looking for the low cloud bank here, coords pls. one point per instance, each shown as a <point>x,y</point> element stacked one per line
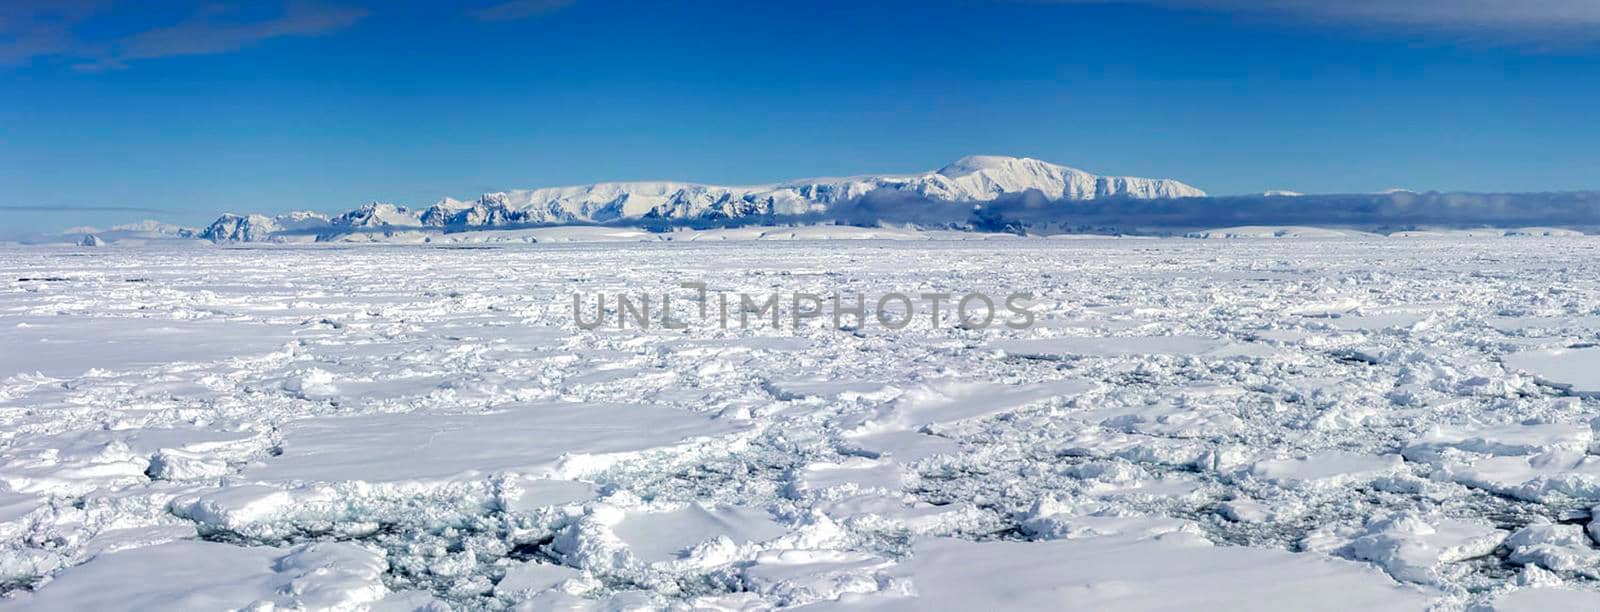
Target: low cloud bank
<point>1032,212</point>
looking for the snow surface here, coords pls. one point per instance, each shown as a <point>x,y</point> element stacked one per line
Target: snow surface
<point>1345,423</point>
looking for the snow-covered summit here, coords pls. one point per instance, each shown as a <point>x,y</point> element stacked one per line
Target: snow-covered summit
<point>985,177</point>
<point>232,227</point>
<point>378,215</point>
<point>984,163</point>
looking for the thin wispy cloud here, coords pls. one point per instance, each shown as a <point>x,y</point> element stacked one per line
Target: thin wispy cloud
<point>520,9</point>
<point>86,208</point>
<point>1520,19</point>
<point>33,29</point>
<point>214,30</point>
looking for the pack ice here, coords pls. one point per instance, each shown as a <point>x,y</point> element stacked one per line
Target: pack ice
<point>1312,420</point>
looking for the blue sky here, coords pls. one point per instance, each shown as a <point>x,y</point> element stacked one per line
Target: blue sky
<point>117,111</point>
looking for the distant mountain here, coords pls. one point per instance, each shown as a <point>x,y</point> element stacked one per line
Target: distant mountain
<point>512,217</point>
<point>970,179</point>
<point>259,228</point>
<point>126,233</point>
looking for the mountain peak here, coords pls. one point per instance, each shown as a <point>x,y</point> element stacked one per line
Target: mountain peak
<point>984,177</point>
<point>979,163</point>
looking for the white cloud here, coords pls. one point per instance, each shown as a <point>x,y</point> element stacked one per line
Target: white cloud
<point>213,31</point>
<point>31,29</point>
<point>1519,17</point>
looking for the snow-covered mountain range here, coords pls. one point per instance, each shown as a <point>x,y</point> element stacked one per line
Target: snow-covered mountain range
<point>970,179</point>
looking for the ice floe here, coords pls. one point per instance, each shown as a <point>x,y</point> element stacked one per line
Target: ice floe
<point>190,575</point>
<point>1176,572</point>
<point>1576,370</point>
<point>556,440</point>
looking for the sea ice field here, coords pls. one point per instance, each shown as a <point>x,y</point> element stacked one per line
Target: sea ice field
<point>1400,423</point>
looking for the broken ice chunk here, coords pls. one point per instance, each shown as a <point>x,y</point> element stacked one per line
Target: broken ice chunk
<point>1575,370</point>
<point>1120,346</point>
<point>1543,599</point>
<point>1501,440</point>
<point>952,402</point>
<point>663,536</point>
<point>531,578</point>
<point>1325,469</point>
<point>1414,548</point>
<point>1563,548</point>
